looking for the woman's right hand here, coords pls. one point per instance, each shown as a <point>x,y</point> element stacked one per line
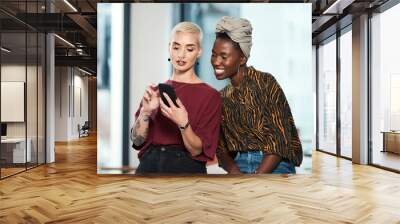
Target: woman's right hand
<point>150,101</point>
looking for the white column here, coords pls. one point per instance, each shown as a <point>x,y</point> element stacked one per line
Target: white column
<point>360,90</point>
<point>50,99</point>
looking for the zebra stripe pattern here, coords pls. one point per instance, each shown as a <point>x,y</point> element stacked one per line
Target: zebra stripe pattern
<point>257,116</point>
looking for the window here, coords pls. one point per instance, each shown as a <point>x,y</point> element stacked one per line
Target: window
<point>327,96</point>
<point>346,94</point>
<point>385,89</point>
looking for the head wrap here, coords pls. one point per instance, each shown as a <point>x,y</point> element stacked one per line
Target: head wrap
<point>239,30</point>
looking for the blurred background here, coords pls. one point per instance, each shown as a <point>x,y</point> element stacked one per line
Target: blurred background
<point>133,51</point>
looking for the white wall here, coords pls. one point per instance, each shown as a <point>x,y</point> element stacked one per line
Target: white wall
<point>33,127</point>
<point>12,73</point>
<point>80,83</point>
<point>61,103</point>
<point>13,100</point>
<point>69,82</point>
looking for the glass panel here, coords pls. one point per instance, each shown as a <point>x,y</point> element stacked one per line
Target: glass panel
<point>346,94</point>
<point>386,89</point>
<point>41,99</point>
<point>32,84</point>
<point>13,87</point>
<point>31,99</point>
<point>327,96</point>
<point>22,63</point>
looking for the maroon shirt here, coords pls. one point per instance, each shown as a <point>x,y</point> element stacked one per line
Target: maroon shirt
<point>203,104</point>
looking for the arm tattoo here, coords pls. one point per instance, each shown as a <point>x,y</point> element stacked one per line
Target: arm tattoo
<point>138,139</point>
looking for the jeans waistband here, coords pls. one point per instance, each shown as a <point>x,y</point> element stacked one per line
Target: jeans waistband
<point>261,153</point>
<point>169,147</point>
<point>246,152</point>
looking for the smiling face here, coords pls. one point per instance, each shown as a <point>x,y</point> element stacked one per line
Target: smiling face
<point>184,49</point>
<point>226,58</point>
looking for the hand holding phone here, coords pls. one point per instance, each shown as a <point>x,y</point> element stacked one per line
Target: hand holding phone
<point>178,113</point>
<point>170,91</point>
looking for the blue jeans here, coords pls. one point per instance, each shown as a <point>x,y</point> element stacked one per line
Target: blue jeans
<point>248,162</point>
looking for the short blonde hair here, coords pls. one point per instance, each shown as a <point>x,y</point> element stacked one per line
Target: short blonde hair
<point>188,27</point>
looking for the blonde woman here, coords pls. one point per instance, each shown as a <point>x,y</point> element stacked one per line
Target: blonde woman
<point>179,138</point>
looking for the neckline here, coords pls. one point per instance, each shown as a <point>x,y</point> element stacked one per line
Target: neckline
<point>244,80</point>
<point>187,83</point>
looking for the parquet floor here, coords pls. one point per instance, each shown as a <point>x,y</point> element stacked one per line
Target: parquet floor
<point>70,191</point>
<point>9,171</point>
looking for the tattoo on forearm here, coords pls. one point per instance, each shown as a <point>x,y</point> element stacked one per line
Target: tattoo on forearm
<point>139,139</point>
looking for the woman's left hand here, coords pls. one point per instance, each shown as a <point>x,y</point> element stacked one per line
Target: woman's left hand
<point>178,115</point>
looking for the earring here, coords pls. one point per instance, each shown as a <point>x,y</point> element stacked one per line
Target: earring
<point>197,63</point>
<point>169,59</point>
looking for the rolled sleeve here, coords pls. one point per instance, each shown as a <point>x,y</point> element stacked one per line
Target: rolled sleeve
<point>208,128</point>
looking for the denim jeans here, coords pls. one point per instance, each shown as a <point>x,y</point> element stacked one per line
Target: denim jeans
<point>167,159</point>
<point>248,162</point>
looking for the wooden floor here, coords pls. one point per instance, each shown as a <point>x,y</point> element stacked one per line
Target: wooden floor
<point>10,171</point>
<point>70,191</point>
<point>387,159</point>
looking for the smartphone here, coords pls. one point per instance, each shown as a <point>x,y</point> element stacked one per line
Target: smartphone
<point>170,91</point>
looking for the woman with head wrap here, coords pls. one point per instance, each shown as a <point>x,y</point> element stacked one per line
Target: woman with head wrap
<point>258,133</point>
<point>182,137</point>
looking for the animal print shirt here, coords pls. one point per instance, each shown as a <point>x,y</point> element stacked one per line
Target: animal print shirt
<point>257,116</point>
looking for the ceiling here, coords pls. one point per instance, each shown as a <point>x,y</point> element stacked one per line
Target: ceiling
<point>76,22</point>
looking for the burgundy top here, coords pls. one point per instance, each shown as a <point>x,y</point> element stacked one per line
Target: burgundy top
<point>203,104</point>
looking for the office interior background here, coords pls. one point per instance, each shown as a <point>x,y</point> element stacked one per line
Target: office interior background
<point>49,79</point>
<point>48,82</point>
